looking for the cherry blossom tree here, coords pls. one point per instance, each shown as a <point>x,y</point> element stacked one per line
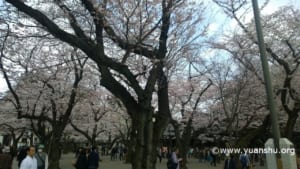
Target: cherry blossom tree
<point>114,35</point>
<point>188,118</point>
<point>187,87</point>
<point>42,91</point>
<point>281,34</point>
<point>10,125</point>
<point>239,100</point>
<point>90,116</point>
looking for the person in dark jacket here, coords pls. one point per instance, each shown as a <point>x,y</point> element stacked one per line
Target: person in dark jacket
<point>81,162</point>
<point>213,158</point>
<point>22,155</point>
<point>93,159</point>
<point>230,162</point>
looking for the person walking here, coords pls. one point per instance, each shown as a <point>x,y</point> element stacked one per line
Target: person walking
<point>174,161</point>
<point>42,158</point>
<point>93,159</point>
<point>230,162</point>
<point>159,154</point>
<point>190,152</point>
<point>114,153</point>
<point>77,152</point>
<point>30,161</point>
<point>245,161</point>
<point>213,158</point>
<point>81,162</point>
<point>121,153</point>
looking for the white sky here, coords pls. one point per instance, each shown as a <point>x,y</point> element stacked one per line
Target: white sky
<point>218,22</point>
<point>3,86</point>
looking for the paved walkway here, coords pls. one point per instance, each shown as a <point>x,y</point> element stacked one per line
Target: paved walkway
<point>66,163</point>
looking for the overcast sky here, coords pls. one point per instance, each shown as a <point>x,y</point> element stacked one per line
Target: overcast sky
<point>222,23</point>
<point>218,21</point>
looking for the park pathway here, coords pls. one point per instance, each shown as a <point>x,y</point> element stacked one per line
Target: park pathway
<point>106,163</point>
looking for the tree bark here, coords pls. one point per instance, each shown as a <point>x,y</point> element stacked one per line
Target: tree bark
<point>289,128</point>
<point>183,142</point>
<point>183,150</point>
<point>129,154</point>
<point>140,137</point>
<point>144,141</point>
<point>54,151</point>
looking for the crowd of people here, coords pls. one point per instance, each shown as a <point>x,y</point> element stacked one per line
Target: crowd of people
<point>229,161</point>
<point>87,158</point>
<point>27,157</point>
<point>118,152</point>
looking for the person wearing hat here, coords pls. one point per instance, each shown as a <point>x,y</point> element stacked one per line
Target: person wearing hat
<point>41,158</point>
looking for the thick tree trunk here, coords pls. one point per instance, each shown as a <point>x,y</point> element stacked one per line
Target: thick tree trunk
<point>140,159</point>
<point>54,152</point>
<point>144,142</point>
<point>183,150</point>
<point>183,143</point>
<point>14,148</point>
<point>137,143</point>
<point>150,147</point>
<point>129,154</point>
<point>131,148</point>
<point>93,141</point>
<point>289,128</point>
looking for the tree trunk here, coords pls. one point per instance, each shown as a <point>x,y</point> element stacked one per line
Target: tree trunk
<point>54,151</point>
<point>139,157</point>
<point>14,147</point>
<point>144,141</point>
<point>183,150</point>
<point>129,154</point>
<point>289,128</point>
<point>93,141</point>
<point>183,143</point>
<point>131,143</point>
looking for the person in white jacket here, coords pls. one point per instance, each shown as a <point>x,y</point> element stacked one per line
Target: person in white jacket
<point>30,161</point>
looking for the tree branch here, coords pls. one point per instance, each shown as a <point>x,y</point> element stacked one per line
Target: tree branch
<point>51,26</point>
